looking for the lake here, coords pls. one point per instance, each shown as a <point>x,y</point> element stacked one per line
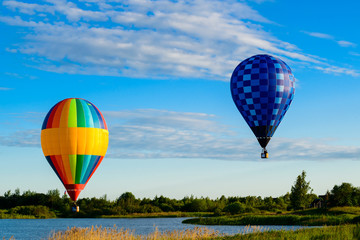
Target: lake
<point>22,229</point>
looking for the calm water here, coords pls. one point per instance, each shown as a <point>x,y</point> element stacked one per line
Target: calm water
<point>42,228</point>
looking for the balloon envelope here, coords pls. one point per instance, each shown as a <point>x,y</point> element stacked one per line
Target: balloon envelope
<point>74,140</point>
<point>262,88</point>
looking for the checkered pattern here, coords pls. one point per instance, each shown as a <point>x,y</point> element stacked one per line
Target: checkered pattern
<point>262,88</point>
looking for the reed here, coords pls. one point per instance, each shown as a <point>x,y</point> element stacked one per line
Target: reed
<point>249,233</point>
<point>97,233</point>
<point>340,232</point>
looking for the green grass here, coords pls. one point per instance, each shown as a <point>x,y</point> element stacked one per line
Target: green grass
<point>27,212</point>
<point>343,232</point>
<point>273,220</point>
<point>4,214</point>
<point>342,210</point>
<point>312,217</point>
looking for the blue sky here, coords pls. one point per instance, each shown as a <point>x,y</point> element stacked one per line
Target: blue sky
<point>159,71</point>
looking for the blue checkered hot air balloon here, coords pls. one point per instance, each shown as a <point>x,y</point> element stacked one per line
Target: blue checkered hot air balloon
<point>262,88</point>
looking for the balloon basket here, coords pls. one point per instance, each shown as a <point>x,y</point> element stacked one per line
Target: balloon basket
<point>264,154</point>
<point>75,208</point>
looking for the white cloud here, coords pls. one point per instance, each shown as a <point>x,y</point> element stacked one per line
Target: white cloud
<point>24,138</point>
<point>11,50</point>
<point>341,43</point>
<point>338,70</point>
<point>26,8</point>
<point>354,54</point>
<point>261,1</point>
<point>151,133</point>
<point>346,44</point>
<point>5,89</point>
<point>68,9</point>
<point>319,35</point>
<point>311,149</point>
<point>20,76</point>
<point>153,39</point>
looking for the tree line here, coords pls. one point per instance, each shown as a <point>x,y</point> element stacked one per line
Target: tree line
<point>53,204</point>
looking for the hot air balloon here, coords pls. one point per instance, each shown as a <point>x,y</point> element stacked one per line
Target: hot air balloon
<point>74,139</point>
<point>262,88</point>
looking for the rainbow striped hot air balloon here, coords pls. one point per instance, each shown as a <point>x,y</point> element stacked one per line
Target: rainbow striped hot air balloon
<point>74,139</point>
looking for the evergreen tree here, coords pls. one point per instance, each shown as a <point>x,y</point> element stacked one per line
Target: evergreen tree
<point>299,196</point>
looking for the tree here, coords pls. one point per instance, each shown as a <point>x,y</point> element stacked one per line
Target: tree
<point>197,205</point>
<point>269,204</point>
<point>128,202</point>
<point>299,196</point>
<point>54,200</point>
<point>343,195</point>
<point>126,199</point>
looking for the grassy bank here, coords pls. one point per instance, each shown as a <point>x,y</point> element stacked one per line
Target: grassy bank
<point>327,232</point>
<point>96,233</point>
<point>4,214</point>
<point>272,220</point>
<point>313,217</point>
<point>27,212</point>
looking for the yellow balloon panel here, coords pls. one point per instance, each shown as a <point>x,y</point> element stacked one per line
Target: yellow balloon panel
<point>74,140</point>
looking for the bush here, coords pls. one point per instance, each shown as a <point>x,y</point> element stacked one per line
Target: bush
<point>217,211</point>
<point>148,208</point>
<point>166,207</point>
<point>356,220</point>
<point>37,211</point>
<point>235,208</point>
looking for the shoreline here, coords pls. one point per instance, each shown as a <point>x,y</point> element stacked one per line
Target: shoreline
<point>311,217</point>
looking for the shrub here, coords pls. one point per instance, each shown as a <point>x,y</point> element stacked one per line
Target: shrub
<point>37,211</point>
<point>235,208</point>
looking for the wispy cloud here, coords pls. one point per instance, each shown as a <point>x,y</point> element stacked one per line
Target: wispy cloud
<point>68,9</point>
<point>21,138</point>
<point>261,1</point>
<point>153,39</point>
<point>151,133</point>
<point>338,70</point>
<point>346,44</point>
<point>319,35</point>
<point>20,76</point>
<point>163,134</point>
<point>341,43</point>
<point>355,54</point>
<point>5,89</point>
<point>311,149</point>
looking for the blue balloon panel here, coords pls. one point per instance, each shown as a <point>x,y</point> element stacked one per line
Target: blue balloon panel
<point>262,88</point>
